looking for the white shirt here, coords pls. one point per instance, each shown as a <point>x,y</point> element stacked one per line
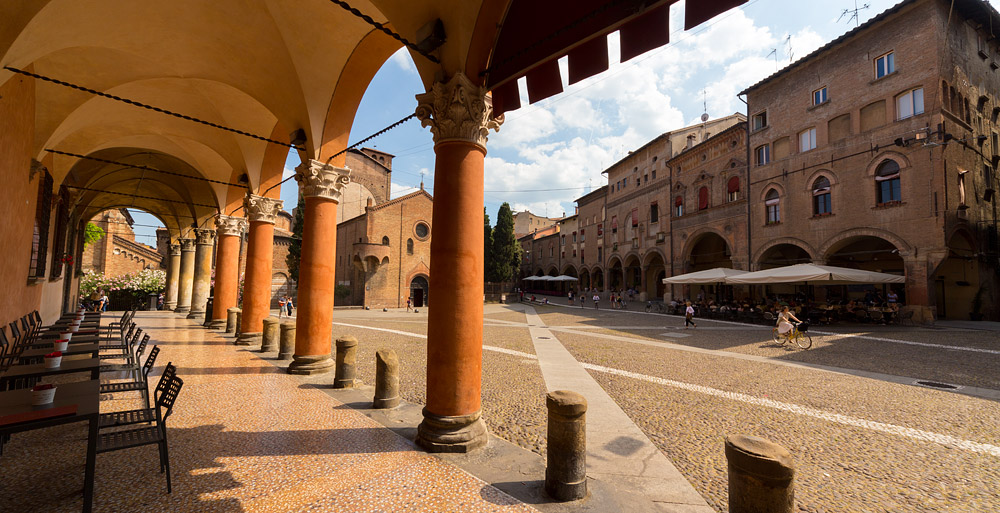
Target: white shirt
<point>689,310</point>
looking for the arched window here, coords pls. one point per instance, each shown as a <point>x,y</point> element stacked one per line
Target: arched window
<point>703,198</point>
<point>385,240</point>
<point>733,189</point>
<point>409,246</point>
<point>821,197</point>
<point>887,187</point>
<point>772,204</point>
<point>679,206</point>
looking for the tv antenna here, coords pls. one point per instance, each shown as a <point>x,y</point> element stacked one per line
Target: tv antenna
<point>788,46</point>
<point>774,52</point>
<point>853,13</point>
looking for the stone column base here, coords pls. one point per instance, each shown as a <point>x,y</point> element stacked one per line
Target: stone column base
<point>195,314</point>
<point>311,364</point>
<point>249,339</point>
<point>462,433</point>
<point>217,324</point>
<point>169,306</point>
<point>182,310</point>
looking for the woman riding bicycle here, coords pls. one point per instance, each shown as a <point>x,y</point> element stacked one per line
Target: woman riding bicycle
<point>785,319</point>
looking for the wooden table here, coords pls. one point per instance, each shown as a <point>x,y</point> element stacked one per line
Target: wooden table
<point>84,395</point>
<point>38,370</point>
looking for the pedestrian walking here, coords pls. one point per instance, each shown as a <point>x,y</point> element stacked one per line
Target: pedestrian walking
<point>597,300</point>
<point>408,302</point>
<point>689,316</point>
<point>289,305</point>
<point>281,307</point>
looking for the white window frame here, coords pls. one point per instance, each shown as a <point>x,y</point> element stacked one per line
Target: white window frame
<point>766,154</point>
<point>910,103</point>
<point>807,139</point>
<point>821,95</point>
<point>762,115</point>
<point>889,64</point>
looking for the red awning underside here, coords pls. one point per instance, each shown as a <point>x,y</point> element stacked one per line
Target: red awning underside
<point>535,34</point>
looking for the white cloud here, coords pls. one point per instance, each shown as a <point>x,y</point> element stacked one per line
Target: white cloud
<point>402,59</point>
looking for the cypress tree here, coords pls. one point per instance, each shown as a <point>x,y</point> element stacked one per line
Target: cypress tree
<point>487,247</point>
<point>294,256</point>
<point>506,252</point>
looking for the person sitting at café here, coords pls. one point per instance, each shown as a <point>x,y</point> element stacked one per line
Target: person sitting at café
<point>892,298</point>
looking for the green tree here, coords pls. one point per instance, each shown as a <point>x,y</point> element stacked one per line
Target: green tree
<point>91,234</point>
<point>487,247</point>
<point>506,254</point>
<point>294,256</point>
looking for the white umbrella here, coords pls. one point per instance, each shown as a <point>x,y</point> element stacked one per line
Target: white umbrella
<point>531,278</point>
<point>821,274</point>
<point>544,278</point>
<point>563,277</point>
<point>717,275</point>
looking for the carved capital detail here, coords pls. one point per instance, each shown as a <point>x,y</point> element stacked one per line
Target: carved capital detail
<point>187,245</point>
<point>175,250</point>
<point>204,237</point>
<point>230,225</point>
<point>458,110</point>
<point>260,208</point>
<point>319,180</point>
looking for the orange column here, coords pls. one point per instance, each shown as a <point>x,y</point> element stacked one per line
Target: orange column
<point>227,267</point>
<point>460,115</point>
<point>320,184</point>
<point>261,212</point>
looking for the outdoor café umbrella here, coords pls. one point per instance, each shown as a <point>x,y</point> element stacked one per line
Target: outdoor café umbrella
<point>563,277</point>
<point>717,275</point>
<point>816,274</point>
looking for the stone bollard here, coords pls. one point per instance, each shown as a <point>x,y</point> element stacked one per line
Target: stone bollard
<point>347,358</point>
<point>231,315</point>
<point>287,348</point>
<point>239,324</point>
<point>208,312</point>
<point>761,476</point>
<point>270,337</point>
<point>566,467</point>
<point>386,379</point>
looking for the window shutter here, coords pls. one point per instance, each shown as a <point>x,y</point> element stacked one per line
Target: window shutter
<point>733,185</point>
<point>703,198</point>
<point>678,201</point>
<point>635,217</point>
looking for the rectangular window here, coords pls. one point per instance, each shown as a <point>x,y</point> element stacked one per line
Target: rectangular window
<point>821,204</point>
<point>773,213</point>
<point>910,103</point>
<point>645,178</point>
<point>635,217</point>
<point>679,210</point>
<point>583,235</point>
<point>885,65</point>
<point>654,213</point>
<point>614,224</point>
<point>40,235</point>
<point>600,254</point>
<point>574,237</point>
<point>763,154</point>
<point>600,230</point>
<point>760,120</point>
<point>654,174</point>
<point>582,257</point>
<point>819,96</point>
<point>562,240</point>
<point>807,140</point>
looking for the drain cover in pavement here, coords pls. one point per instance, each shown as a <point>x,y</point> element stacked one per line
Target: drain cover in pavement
<point>935,384</point>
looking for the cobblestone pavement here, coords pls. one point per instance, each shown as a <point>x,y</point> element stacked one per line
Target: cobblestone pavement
<point>860,444</point>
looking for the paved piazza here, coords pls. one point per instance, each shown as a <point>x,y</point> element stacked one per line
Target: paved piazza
<point>863,436</point>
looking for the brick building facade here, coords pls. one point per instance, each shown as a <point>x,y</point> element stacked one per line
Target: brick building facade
<point>118,253</point>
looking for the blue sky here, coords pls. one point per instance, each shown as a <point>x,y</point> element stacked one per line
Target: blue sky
<point>548,154</point>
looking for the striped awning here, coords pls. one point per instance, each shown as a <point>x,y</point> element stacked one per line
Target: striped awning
<point>534,35</point>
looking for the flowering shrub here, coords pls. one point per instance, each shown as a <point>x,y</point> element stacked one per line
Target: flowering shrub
<point>147,281</point>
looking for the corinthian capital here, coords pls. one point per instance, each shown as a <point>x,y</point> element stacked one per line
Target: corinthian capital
<point>187,245</point>
<point>175,250</point>
<point>260,208</point>
<point>204,237</point>
<point>320,180</point>
<point>230,225</point>
<point>457,110</point>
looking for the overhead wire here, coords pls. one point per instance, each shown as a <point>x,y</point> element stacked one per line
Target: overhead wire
<point>142,167</point>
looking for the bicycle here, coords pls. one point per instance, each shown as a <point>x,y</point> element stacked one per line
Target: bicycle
<point>798,334</point>
<point>660,307</point>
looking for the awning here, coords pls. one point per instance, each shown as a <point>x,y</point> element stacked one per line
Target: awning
<point>534,35</point>
<point>819,274</point>
<point>717,275</point>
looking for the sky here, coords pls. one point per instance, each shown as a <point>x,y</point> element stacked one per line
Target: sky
<point>547,154</point>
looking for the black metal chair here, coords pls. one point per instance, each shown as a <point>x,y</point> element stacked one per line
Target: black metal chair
<point>141,415</point>
<point>138,385</point>
<point>125,319</point>
<point>132,363</point>
<point>154,433</point>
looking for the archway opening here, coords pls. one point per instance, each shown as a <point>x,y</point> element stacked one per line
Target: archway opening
<point>655,271</point>
<point>956,281</point>
<point>419,291</point>
<point>709,251</point>
<point>616,274</point>
<point>870,254</point>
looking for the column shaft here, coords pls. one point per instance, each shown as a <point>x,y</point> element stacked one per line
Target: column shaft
<point>257,281</point>
<point>227,268</point>
<point>173,276</point>
<point>186,279</point>
<point>202,283</point>
<point>315,287</point>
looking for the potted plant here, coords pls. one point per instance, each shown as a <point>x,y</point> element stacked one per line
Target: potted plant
<point>977,305</point>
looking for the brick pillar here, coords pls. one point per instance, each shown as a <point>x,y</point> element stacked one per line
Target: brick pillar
<point>261,212</point>
<point>459,114</point>
<point>173,276</point>
<point>320,184</point>
<point>227,267</point>
<point>202,282</point>
<point>186,277</point>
